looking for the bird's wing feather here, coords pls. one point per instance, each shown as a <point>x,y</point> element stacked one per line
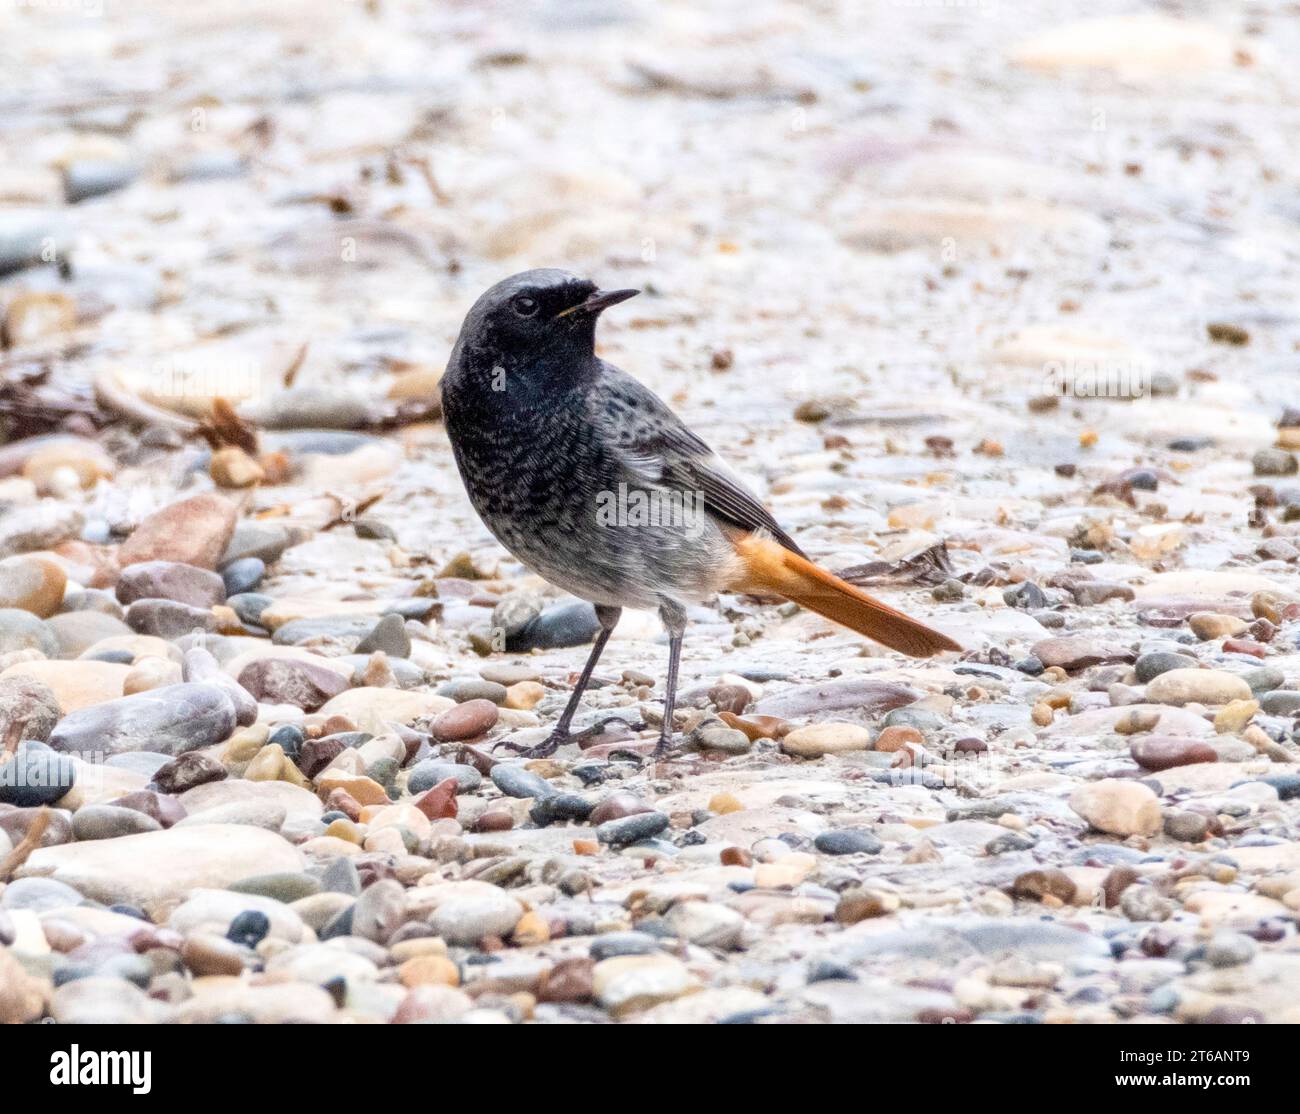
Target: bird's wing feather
<point>657,446</point>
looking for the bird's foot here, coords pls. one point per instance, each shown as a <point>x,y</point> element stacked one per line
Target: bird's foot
<point>544,749</point>
<point>664,748</point>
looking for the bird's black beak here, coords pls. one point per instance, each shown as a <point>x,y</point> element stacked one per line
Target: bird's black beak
<point>600,300</point>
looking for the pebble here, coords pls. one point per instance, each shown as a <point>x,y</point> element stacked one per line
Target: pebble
<point>1274,462</point>
<point>1150,666</point>
<point>706,924</point>
<point>152,867</point>
<point>193,531</point>
<point>35,776</point>
<point>110,821</point>
<point>465,721</point>
<point>388,636</point>
<point>1122,808</point>
<point>425,775</point>
<point>242,575</point>
<point>30,583</point>
<point>1177,687</point>
<point>149,673</point>
<point>720,739</point>
<point>467,689</point>
<point>625,985</point>
<point>21,630</point>
<point>466,912</point>
<point>1165,752</point>
<point>631,829</point>
<point>170,720</point>
<point>821,739</point>
<point>848,841</point>
<point>1280,703</point>
<point>81,632</point>
<point>29,709</point>
<point>1187,827</point>
<point>170,580</point>
<point>186,772</point>
<point>168,620</point>
<point>291,681</point>
<point>896,738</point>
<point>1230,949</point>
<point>515,781</point>
<point>1207,625</point>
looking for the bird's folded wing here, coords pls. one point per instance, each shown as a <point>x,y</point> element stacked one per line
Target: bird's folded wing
<point>658,447</point>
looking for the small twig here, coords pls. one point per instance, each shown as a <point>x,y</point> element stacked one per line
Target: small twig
<point>295,365</point>
<point>426,171</point>
<point>26,845</point>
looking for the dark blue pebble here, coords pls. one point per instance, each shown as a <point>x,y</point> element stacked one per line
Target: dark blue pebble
<point>288,738</point>
<point>35,776</point>
<point>249,928</point>
<point>243,575</point>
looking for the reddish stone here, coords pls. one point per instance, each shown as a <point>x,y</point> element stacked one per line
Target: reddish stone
<point>1117,880</point>
<point>166,810</point>
<point>569,980</point>
<point>341,800</point>
<point>1261,630</point>
<point>616,806</point>
<point>288,681</point>
<point>736,856</point>
<point>194,531</point>
<point>494,820</point>
<point>316,754</point>
<point>464,721</point>
<point>438,803</point>
<point>1164,752</point>
<point>1243,646</point>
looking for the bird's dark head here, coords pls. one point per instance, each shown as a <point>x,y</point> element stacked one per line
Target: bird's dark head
<point>533,317</point>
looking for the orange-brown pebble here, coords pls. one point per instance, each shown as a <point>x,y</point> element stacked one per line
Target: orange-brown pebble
<point>362,789</point>
<point>340,800</point>
<point>531,929</point>
<point>895,738</point>
<point>429,970</point>
<point>723,803</point>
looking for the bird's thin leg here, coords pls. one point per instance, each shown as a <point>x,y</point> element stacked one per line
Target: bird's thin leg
<point>674,618</point>
<point>608,617</point>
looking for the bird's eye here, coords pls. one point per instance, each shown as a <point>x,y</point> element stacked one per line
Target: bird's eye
<point>524,305</point>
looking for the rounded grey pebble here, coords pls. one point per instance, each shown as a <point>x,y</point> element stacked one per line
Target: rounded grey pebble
<point>1229,949</point>
<point>472,688</point>
<point>1150,666</point>
<point>848,841</point>
<point>630,829</point>
<point>612,944</point>
<point>425,775</point>
<point>515,781</point>
<point>560,806</point>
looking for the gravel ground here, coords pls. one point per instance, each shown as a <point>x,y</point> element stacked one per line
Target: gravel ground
<point>994,305</point>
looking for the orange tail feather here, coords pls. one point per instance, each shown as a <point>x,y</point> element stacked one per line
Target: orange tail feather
<point>767,566</point>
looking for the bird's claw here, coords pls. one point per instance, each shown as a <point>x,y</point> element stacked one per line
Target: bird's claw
<point>544,749</point>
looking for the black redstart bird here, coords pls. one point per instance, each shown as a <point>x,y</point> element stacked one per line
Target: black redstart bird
<point>591,481</point>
